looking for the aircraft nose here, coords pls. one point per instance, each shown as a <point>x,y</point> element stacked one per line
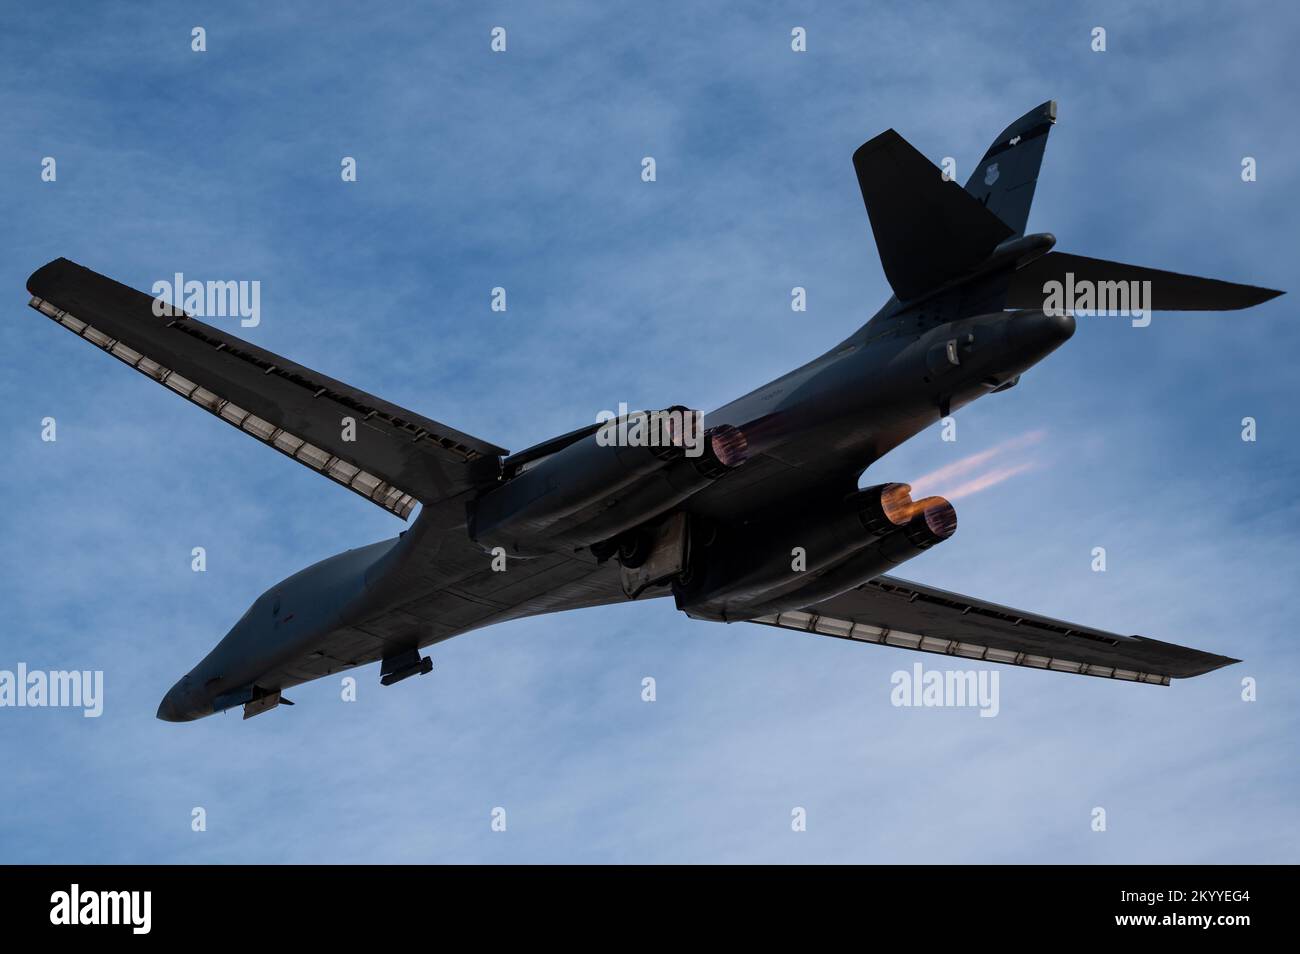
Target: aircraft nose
<point>169,709</point>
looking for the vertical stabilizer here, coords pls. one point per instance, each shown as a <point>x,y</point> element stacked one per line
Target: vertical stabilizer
<point>1005,178</point>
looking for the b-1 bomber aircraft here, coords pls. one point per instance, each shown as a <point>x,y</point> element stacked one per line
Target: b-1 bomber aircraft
<point>710,518</point>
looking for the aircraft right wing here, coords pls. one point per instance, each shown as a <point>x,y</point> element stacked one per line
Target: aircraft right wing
<point>894,612</point>
<point>395,457</point>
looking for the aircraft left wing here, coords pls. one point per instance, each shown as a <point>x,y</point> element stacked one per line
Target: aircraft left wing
<point>395,458</point>
<point>894,612</point>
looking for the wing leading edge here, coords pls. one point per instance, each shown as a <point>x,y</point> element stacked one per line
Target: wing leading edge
<point>396,456</point>
<point>894,612</point>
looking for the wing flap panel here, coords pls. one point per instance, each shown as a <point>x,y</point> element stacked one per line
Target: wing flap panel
<point>894,612</point>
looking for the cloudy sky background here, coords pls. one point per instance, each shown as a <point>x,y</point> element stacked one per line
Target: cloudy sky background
<point>522,170</point>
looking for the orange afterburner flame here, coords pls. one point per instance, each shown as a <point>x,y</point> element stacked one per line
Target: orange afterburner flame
<point>899,507</point>
<point>896,502</point>
<point>729,445</point>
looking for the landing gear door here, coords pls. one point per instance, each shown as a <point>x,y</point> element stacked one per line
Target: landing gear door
<point>666,556</point>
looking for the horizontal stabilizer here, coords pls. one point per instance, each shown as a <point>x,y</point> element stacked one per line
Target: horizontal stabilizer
<point>389,455</point>
<point>1169,291</point>
<point>928,230</point>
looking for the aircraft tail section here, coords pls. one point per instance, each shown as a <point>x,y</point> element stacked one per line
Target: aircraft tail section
<point>928,230</point>
<point>1005,178</point>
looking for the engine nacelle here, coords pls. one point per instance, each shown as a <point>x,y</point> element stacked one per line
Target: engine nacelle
<point>598,487</point>
<point>793,563</point>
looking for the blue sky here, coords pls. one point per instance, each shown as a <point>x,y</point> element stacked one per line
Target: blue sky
<point>522,170</point>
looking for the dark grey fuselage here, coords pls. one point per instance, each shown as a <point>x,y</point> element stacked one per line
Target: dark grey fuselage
<point>809,431</point>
